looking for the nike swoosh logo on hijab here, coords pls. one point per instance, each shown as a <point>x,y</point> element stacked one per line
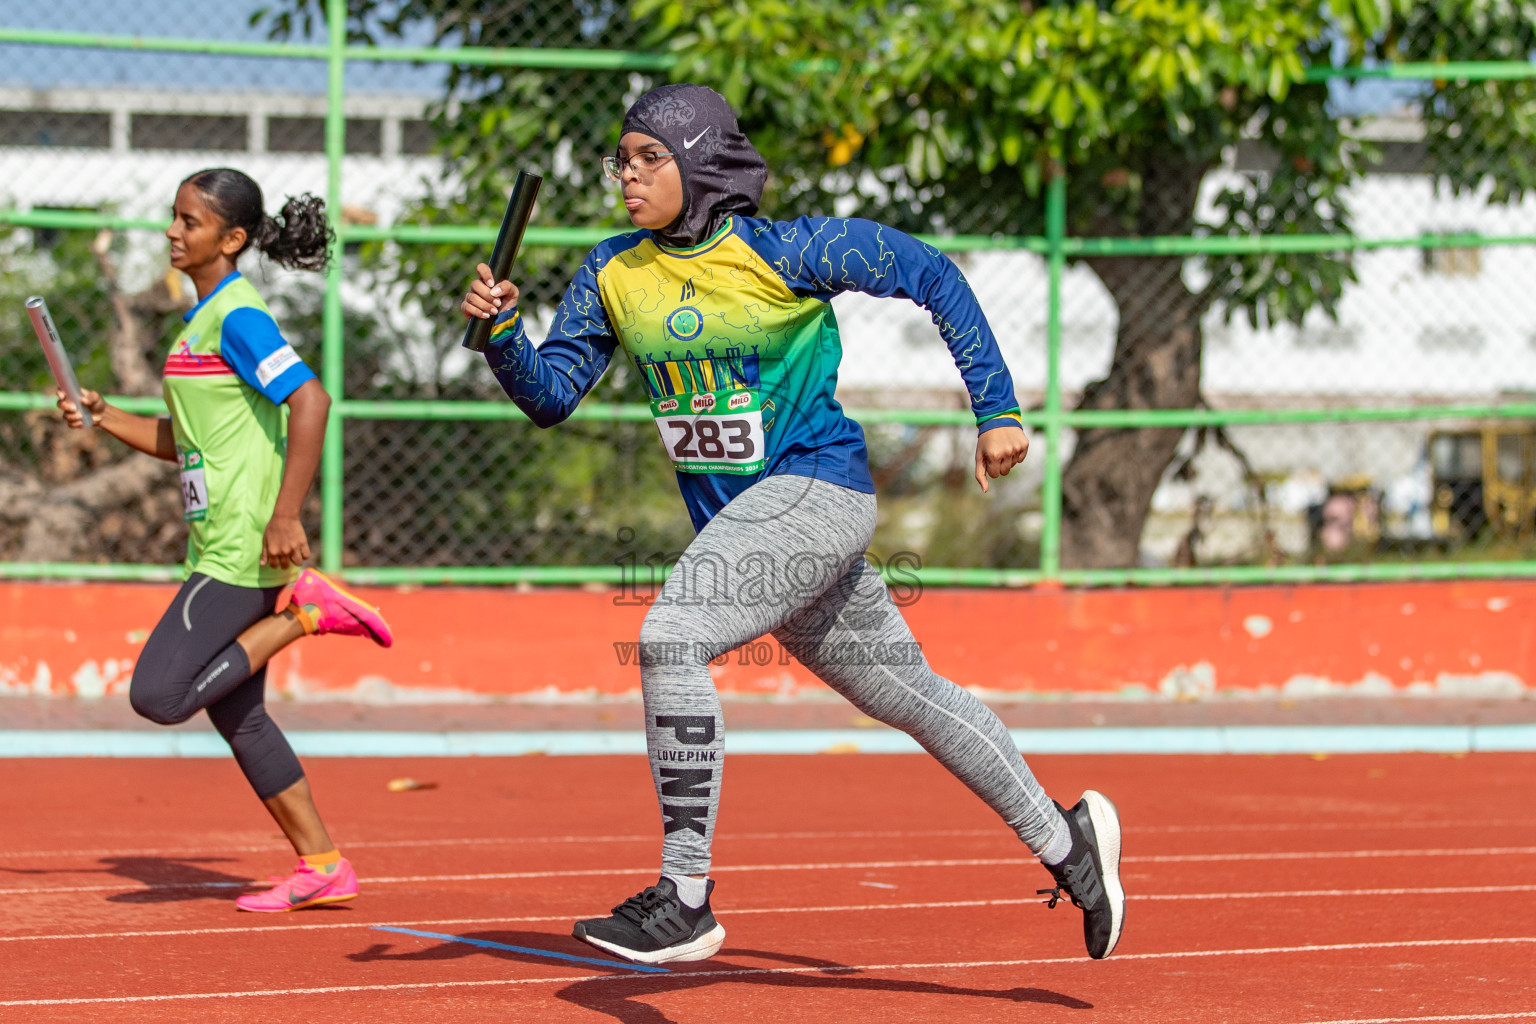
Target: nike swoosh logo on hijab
<point>722,174</point>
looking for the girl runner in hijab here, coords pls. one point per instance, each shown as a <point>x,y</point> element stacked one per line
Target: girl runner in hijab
<point>728,318</point>
<point>246,465</point>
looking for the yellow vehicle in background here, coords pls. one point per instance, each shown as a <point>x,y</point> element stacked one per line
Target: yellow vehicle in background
<point>1484,478</point>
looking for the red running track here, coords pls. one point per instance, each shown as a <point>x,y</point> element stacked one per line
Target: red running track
<point>1272,890</point>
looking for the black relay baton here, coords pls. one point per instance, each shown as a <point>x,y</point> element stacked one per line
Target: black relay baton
<point>519,208</point>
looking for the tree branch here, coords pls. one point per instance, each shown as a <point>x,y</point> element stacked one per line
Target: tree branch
<point>135,331</point>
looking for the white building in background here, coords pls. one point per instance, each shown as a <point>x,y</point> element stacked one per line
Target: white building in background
<point>1419,327</point>
<point>125,150</point>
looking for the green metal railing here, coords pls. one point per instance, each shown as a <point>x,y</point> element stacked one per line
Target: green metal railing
<point>1056,246</point>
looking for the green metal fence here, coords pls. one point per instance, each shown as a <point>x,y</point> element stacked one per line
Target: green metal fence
<point>457,421</point>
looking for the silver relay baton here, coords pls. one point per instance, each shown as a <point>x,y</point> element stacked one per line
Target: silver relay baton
<point>58,359</point>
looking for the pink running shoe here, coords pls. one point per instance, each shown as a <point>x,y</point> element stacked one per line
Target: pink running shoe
<point>306,887</point>
<point>324,607</point>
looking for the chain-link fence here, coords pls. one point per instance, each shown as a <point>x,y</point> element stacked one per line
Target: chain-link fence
<point>1385,439</point>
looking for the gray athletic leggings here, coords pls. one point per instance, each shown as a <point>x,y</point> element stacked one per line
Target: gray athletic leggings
<point>787,557</point>
<point>191,662</point>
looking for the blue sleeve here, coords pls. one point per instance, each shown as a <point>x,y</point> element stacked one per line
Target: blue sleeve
<point>548,381</point>
<point>821,256</point>
<point>254,348</point>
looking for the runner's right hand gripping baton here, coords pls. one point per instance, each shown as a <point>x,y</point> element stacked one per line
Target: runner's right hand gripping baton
<point>58,359</point>
<point>508,239</point>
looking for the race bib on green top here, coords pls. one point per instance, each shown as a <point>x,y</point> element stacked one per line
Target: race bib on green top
<point>712,431</point>
<point>194,485</point>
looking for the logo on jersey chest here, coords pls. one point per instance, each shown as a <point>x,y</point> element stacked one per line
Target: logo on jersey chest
<point>685,323</point>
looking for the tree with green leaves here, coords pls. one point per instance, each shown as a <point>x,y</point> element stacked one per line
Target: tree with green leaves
<point>954,115</point>
<point>503,493</point>
<point>491,122</point>
<point>962,110</point>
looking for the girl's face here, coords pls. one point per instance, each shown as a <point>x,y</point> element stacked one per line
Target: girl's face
<point>199,236</point>
<point>654,195</point>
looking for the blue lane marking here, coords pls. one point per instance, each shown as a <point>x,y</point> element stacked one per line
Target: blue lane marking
<point>1215,739</point>
<point>551,954</point>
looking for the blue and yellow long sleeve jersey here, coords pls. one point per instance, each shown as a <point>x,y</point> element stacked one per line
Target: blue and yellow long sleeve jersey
<point>739,348</point>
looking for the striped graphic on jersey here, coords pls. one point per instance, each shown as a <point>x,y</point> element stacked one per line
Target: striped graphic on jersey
<point>184,364</point>
<point>695,376</point>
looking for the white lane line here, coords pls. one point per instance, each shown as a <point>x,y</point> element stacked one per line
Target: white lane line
<point>970,862</point>
<point>264,846</point>
<point>1515,1015</point>
<point>649,837</point>
<point>860,908</point>
<point>689,976</point>
<point>1197,858</point>
<point>1439,890</point>
<point>1332,826</point>
<point>258,929</point>
<point>53,890</point>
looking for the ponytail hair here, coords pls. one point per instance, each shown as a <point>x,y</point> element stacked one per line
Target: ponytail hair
<point>299,237</point>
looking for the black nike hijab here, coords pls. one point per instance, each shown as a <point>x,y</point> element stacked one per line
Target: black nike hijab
<point>722,172</point>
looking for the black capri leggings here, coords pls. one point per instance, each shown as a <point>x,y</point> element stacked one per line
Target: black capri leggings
<point>191,662</point>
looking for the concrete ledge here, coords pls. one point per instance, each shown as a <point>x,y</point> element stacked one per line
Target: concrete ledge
<point>1470,639</point>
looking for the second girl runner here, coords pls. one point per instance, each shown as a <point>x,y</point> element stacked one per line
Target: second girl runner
<point>728,318</point>
<point>246,426</point>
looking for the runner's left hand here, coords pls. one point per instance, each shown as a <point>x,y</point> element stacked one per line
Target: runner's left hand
<point>284,543</point>
<point>999,450</point>
<point>90,399</point>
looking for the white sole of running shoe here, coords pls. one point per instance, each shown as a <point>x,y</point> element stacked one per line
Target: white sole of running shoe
<point>1106,828</point>
<point>701,948</point>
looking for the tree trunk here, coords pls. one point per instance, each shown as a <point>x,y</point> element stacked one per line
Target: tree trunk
<point>1108,485</point>
<point>138,319</point>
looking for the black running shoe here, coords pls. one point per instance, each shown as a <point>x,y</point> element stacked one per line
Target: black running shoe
<point>655,927</point>
<point>1090,876</point>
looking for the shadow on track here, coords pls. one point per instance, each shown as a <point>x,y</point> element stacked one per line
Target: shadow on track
<point>165,879</point>
<point>620,995</point>
<point>173,879</point>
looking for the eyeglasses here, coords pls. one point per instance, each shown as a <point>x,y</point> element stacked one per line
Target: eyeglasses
<point>643,163</point>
